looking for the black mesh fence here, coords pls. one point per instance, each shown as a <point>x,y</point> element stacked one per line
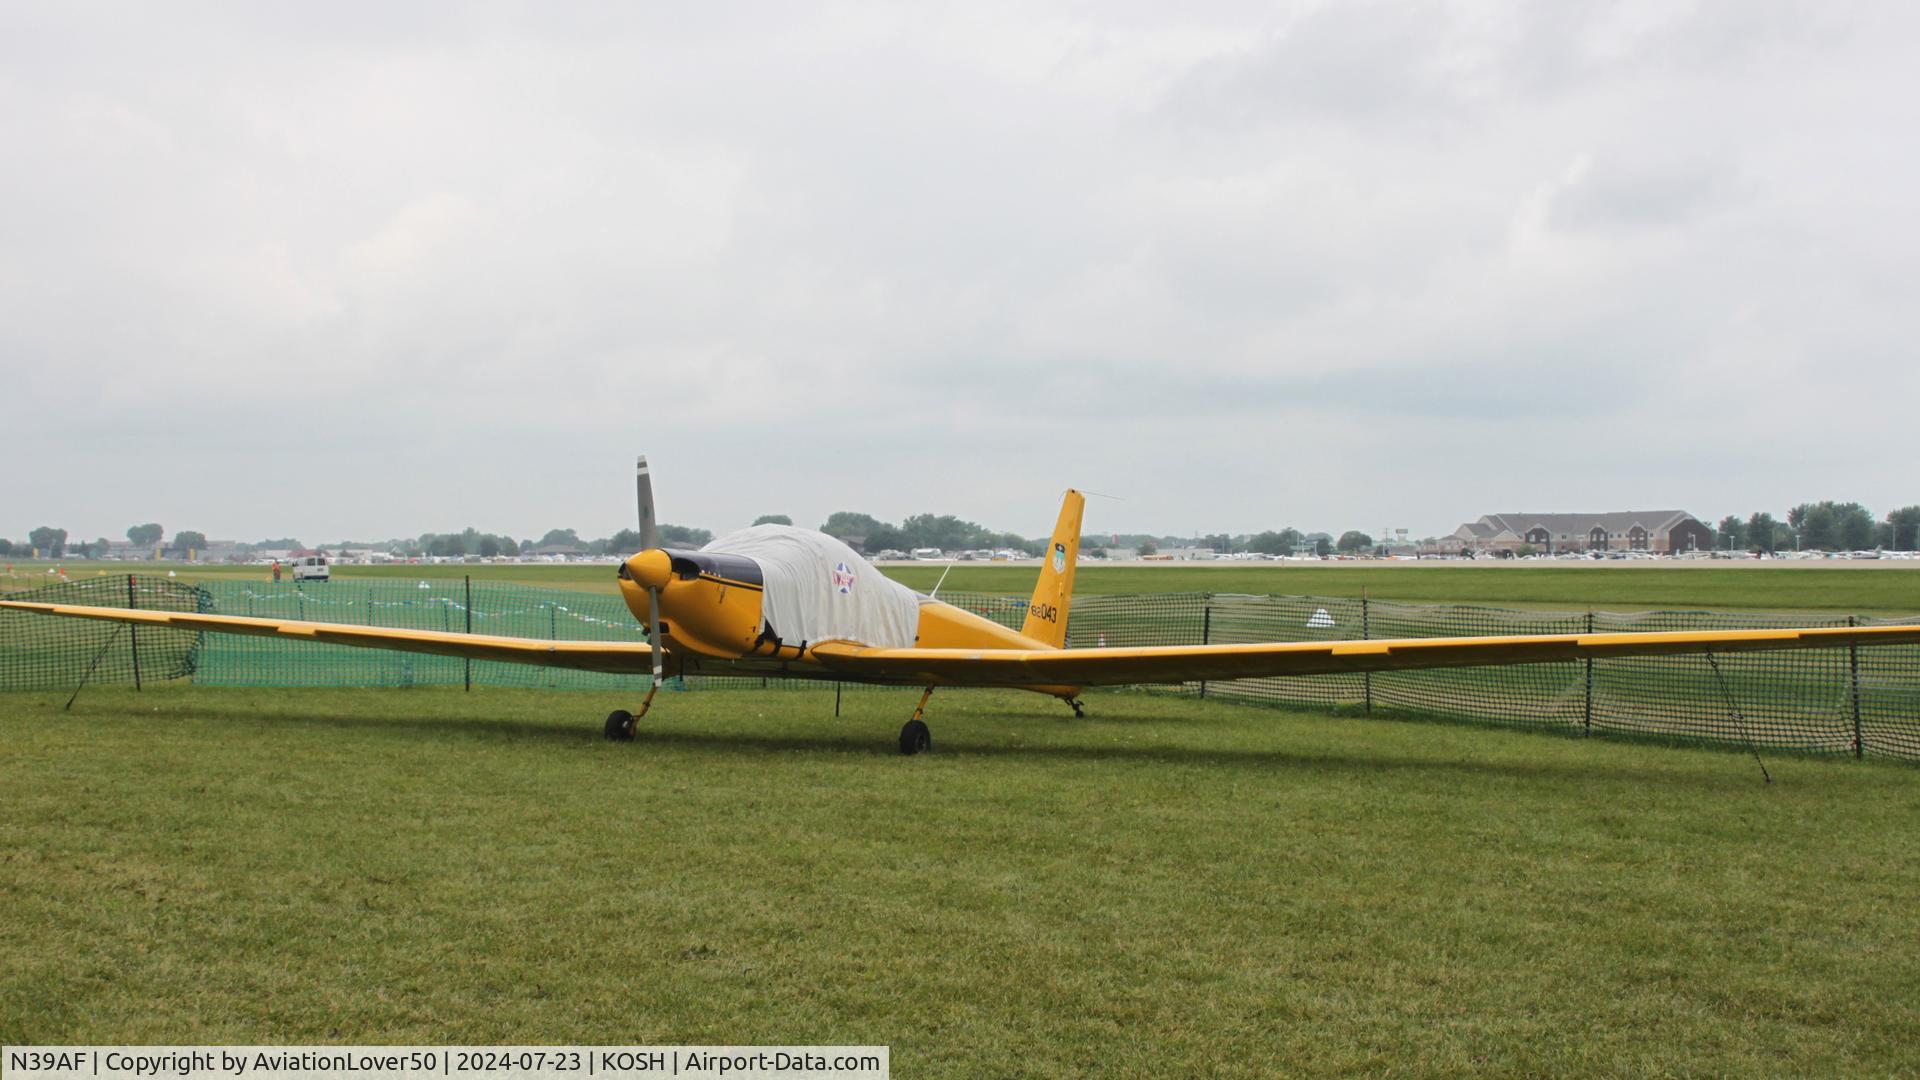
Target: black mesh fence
<point>1845,700</point>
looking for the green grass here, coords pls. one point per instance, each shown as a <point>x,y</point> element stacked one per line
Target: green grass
<point>1170,887</point>
<point>1859,589</point>
<point>1866,589</point>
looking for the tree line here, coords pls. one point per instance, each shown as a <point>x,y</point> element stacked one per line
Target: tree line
<point>870,535</point>
<point>1821,526</point>
<point>1810,526</point>
<point>54,543</point>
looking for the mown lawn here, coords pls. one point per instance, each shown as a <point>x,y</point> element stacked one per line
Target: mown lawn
<point>1170,887</point>
<point>1891,589</point>
<point>1862,588</point>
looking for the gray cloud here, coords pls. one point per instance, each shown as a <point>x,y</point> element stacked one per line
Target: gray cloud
<point>1326,264</point>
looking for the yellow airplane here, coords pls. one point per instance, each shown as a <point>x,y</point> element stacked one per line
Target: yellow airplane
<point>793,603</point>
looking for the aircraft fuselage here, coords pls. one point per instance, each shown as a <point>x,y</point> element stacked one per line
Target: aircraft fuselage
<point>712,620</point>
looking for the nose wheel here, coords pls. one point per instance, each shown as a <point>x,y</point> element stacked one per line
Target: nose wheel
<point>621,723</point>
<point>915,736</point>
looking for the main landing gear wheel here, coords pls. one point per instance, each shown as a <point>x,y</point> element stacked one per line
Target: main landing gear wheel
<point>915,738</point>
<point>620,726</point>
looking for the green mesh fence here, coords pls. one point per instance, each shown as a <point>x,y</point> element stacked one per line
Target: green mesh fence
<point>40,653</point>
<point>507,610</point>
<point>1840,700</point>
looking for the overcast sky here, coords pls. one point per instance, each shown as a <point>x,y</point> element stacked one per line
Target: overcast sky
<point>368,270</point>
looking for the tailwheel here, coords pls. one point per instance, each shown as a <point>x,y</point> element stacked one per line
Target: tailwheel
<point>1079,707</point>
<point>915,737</point>
<point>620,726</point>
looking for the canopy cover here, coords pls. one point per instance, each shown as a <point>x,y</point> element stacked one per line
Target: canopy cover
<point>818,589</point>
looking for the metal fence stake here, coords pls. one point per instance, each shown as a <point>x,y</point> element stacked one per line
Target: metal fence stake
<point>1206,632</point>
<point>1853,682</point>
<point>133,634</point>
<point>1366,633</point>
<point>1586,719</point>
<point>468,661</point>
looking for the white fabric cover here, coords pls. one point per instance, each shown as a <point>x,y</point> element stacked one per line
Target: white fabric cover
<point>818,589</point>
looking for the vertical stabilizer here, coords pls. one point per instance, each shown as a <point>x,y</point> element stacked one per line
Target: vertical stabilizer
<point>1047,613</point>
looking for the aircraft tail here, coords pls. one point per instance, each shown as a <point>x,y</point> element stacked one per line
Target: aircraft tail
<point>1047,614</point>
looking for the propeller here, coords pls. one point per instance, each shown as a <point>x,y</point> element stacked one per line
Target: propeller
<point>649,540</point>
<point>643,482</point>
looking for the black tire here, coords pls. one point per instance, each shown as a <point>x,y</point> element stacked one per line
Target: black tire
<point>620,726</point>
<point>915,738</point>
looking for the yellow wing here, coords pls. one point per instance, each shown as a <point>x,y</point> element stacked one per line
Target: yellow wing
<point>1184,663</point>
<point>619,657</point>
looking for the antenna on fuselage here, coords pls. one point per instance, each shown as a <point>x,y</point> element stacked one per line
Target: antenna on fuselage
<point>935,594</point>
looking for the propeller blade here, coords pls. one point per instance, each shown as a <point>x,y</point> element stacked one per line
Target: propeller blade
<point>649,533</point>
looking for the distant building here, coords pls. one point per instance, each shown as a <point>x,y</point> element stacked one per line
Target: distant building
<point>1663,532</point>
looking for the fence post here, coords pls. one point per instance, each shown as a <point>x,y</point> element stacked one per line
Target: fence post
<point>1853,672</point>
<point>1206,630</point>
<point>1586,719</point>
<point>133,634</point>
<point>468,661</point>
<point>1366,632</point>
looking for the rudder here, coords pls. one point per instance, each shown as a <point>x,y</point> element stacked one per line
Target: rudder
<point>1046,620</point>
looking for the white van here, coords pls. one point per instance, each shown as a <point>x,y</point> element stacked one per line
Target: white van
<point>311,568</point>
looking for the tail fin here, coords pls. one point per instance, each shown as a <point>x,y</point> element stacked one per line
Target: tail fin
<point>1047,614</point>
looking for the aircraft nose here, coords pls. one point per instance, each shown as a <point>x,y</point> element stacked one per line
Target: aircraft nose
<point>651,568</point>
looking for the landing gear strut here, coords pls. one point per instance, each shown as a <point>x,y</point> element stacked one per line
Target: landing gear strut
<point>621,723</point>
<point>1079,707</point>
<point>916,737</point>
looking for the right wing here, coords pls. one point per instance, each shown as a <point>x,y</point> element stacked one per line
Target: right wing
<point>617,657</point>
<point>1186,663</point>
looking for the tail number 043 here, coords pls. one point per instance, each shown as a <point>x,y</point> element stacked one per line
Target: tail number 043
<point>1044,611</point>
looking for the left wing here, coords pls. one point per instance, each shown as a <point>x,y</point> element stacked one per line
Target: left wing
<point>618,657</point>
<point>1184,663</point>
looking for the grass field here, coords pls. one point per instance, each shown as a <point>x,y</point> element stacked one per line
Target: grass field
<point>1634,587</point>
<point>1170,887</point>
<point>1863,588</point>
